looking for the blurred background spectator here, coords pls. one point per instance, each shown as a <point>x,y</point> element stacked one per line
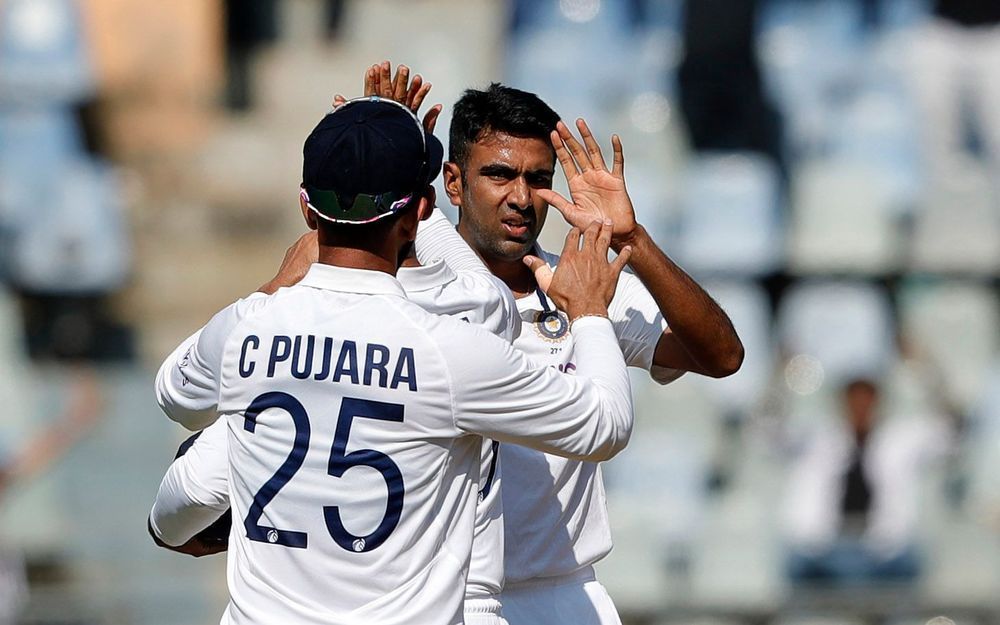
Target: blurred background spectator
<point>851,506</point>
<point>827,167</point>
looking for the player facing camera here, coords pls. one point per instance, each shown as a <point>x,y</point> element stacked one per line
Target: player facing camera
<point>366,176</point>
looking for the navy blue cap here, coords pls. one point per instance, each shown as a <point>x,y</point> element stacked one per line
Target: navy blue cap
<point>367,159</point>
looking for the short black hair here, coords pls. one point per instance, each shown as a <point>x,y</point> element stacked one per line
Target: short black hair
<point>497,109</point>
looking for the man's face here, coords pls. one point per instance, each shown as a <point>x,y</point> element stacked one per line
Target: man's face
<point>501,213</point>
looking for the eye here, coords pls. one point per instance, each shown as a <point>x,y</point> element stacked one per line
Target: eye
<point>539,181</point>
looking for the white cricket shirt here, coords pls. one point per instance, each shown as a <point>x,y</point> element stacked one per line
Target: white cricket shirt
<point>555,510</point>
<point>195,490</point>
<point>354,421</point>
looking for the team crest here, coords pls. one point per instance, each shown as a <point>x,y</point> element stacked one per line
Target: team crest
<point>551,325</point>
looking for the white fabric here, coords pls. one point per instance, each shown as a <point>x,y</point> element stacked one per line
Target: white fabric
<point>577,598</point>
<point>555,514</point>
<point>185,505</point>
<point>453,382</point>
<point>194,492</point>
<point>483,612</point>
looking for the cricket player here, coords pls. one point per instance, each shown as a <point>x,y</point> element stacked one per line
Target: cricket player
<point>355,418</point>
<point>503,147</point>
<point>189,514</point>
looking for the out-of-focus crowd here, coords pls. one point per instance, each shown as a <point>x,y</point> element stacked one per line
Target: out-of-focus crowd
<point>828,168</point>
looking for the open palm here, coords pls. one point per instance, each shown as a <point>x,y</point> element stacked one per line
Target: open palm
<point>597,193</point>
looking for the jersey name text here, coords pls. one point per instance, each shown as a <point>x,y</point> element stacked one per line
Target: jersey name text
<point>325,358</point>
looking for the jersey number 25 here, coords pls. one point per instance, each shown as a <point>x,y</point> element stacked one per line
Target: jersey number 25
<point>340,461</point>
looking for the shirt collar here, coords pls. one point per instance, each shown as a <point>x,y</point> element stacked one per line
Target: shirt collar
<point>425,277</point>
<point>332,278</point>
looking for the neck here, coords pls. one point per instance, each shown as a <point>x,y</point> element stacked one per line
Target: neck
<point>514,273</point>
<point>352,258</point>
<point>410,261</point>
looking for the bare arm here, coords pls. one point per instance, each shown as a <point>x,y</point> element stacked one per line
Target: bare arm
<point>700,336</point>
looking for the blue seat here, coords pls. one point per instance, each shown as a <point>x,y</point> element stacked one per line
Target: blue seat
<point>729,220</point>
<point>43,54</point>
<point>75,240</point>
<point>840,329</point>
<point>810,51</point>
<point>38,137</point>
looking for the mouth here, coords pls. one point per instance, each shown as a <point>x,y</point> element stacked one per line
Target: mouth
<point>517,227</point>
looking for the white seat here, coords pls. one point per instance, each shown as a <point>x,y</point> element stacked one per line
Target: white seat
<point>748,308</point>
<point>728,208</point>
<point>847,327</point>
<point>842,219</point>
<point>958,230</point>
<point>955,325</point>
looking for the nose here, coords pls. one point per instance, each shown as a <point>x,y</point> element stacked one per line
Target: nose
<point>519,196</point>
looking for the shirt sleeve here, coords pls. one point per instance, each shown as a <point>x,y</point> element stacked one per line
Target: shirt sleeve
<point>194,492</point>
<point>187,384</point>
<point>437,239</point>
<point>499,394</point>
<point>639,324</point>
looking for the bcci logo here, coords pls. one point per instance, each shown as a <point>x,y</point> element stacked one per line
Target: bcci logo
<point>551,325</point>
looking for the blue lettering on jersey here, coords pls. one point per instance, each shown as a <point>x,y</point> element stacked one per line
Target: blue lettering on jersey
<point>347,362</point>
<point>302,367</point>
<point>405,370</point>
<point>337,361</point>
<point>246,369</point>
<point>281,348</point>
<point>324,372</point>
<point>376,357</point>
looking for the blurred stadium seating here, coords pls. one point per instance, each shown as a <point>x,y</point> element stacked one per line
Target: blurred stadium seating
<point>850,259</point>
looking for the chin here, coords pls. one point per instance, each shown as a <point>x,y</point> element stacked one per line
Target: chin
<point>514,250</point>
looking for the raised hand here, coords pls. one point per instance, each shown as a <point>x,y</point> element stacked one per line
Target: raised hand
<point>597,193</point>
<point>584,282</point>
<point>379,81</point>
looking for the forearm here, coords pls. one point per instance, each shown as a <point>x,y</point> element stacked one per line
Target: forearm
<point>701,337</point>
<point>177,514</point>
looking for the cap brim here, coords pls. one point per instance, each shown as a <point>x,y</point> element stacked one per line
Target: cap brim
<point>435,157</point>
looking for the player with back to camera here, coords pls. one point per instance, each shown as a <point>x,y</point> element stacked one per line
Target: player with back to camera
<point>503,147</point>
<point>191,511</point>
<point>341,371</point>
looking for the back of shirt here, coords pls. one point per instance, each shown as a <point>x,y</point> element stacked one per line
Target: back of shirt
<point>355,421</point>
<point>339,435</point>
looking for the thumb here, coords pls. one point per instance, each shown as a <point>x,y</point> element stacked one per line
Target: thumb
<point>543,273</point>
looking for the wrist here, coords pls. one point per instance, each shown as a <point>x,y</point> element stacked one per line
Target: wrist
<point>574,312</point>
<point>634,238</point>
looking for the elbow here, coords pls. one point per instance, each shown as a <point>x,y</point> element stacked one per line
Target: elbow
<point>616,443</point>
<point>730,362</point>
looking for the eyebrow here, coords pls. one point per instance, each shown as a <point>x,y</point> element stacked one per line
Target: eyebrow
<point>497,169</point>
<point>501,169</point>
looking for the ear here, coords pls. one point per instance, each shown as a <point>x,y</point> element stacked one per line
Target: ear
<point>427,203</point>
<point>453,185</point>
<point>307,213</point>
<point>407,223</point>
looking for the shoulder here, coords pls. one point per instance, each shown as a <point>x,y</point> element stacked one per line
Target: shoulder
<point>225,321</point>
